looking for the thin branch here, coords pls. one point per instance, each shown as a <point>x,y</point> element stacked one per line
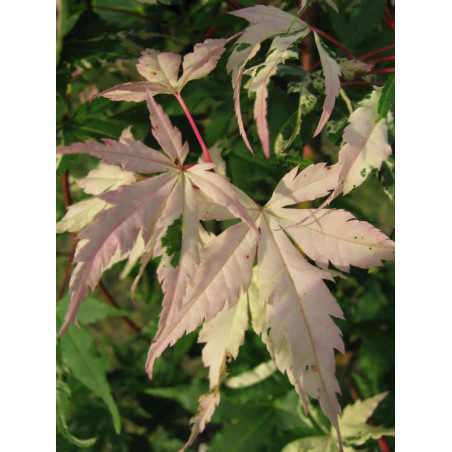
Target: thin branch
<point>111,301</point>
<point>66,190</point>
<point>205,151</point>
<point>67,273</point>
<point>380,60</point>
<point>362,83</point>
<point>383,49</point>
<point>334,41</point>
<point>378,71</point>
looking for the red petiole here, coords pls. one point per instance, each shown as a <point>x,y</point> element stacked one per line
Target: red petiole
<point>205,151</point>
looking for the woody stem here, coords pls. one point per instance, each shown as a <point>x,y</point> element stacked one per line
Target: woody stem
<point>205,151</point>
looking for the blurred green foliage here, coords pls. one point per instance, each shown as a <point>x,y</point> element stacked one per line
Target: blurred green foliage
<point>105,401</point>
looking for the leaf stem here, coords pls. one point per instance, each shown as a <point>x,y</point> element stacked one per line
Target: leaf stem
<point>382,59</point>
<point>67,273</point>
<point>383,49</point>
<point>378,71</point>
<point>362,83</point>
<point>111,301</point>
<point>205,151</point>
<point>334,41</point>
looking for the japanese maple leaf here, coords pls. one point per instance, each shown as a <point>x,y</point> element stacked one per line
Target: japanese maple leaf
<point>147,209</point>
<point>297,307</point>
<point>161,71</point>
<point>268,22</point>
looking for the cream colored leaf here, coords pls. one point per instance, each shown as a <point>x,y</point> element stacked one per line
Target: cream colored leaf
<point>207,404</point>
<point>332,73</point>
<point>253,376</point>
<point>223,336</point>
<point>80,214</point>
<point>103,178</point>
<point>366,145</point>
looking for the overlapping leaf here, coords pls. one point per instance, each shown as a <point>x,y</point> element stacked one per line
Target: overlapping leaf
<point>147,208</point>
<point>267,22</point>
<point>296,307</point>
<point>161,71</point>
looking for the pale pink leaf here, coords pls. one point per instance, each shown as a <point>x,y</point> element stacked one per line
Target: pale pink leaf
<point>225,268</point>
<point>223,336</point>
<point>207,404</point>
<point>315,181</point>
<point>132,155</point>
<point>332,73</point>
<point>174,279</point>
<point>161,68</point>
<point>336,236</point>
<point>366,144</point>
<point>168,136</point>
<point>105,177</point>
<point>134,208</point>
<point>299,307</point>
<point>265,22</point>
<point>201,61</point>
<point>208,209</point>
<point>220,190</point>
<point>134,91</point>
<point>260,77</point>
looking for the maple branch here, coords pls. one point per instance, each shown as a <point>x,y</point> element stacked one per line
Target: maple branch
<point>380,60</point>
<point>205,151</point>
<point>111,301</point>
<point>362,83</point>
<point>66,191</point>
<point>334,41</point>
<point>67,273</point>
<point>377,71</point>
<point>383,49</point>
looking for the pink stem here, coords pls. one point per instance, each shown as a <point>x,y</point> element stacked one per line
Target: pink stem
<point>380,60</point>
<point>378,71</point>
<point>205,151</point>
<point>331,39</point>
<point>362,83</point>
<point>367,55</point>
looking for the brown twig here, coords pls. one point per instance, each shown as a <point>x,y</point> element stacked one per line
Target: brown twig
<point>111,301</point>
<point>66,190</point>
<point>67,274</point>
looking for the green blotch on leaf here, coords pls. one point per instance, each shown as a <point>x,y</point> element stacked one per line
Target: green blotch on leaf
<point>172,241</point>
<point>363,172</point>
<point>242,46</point>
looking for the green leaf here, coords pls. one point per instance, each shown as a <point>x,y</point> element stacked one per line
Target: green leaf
<point>363,23</point>
<point>249,433</point>
<point>386,176</point>
<point>63,394</point>
<point>93,310</point>
<point>187,395</point>
<point>387,97</point>
<point>85,363</point>
<point>64,163</point>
